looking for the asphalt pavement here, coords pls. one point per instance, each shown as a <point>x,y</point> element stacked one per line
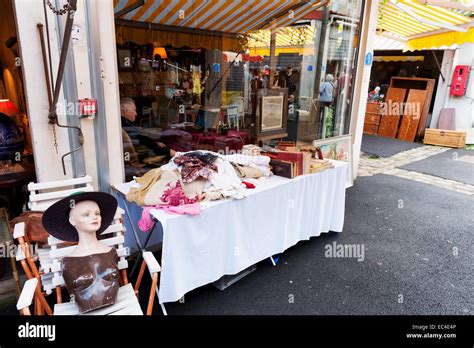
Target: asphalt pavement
<point>418,244</point>
<point>418,247</point>
<point>455,164</point>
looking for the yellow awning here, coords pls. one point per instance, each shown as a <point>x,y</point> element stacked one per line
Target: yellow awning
<point>440,41</point>
<point>398,58</point>
<point>288,40</point>
<point>232,16</point>
<point>395,17</point>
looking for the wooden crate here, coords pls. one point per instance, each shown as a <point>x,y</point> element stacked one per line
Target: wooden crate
<point>444,137</point>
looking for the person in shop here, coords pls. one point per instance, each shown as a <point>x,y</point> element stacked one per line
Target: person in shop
<point>290,80</point>
<point>326,90</point>
<point>326,95</point>
<point>132,134</point>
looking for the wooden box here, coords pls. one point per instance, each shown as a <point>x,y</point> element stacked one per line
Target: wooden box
<point>444,137</point>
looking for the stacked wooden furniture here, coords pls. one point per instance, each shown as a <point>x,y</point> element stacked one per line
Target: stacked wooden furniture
<point>391,116</point>
<point>373,115</point>
<point>398,120</point>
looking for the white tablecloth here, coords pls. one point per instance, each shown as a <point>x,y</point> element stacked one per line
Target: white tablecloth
<point>229,236</point>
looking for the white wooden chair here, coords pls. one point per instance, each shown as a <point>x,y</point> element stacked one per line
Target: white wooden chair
<point>41,196</point>
<point>49,276</point>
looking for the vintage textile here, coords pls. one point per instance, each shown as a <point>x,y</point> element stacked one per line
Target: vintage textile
<point>261,163</point>
<point>174,196</point>
<point>193,168</point>
<point>152,186</point>
<point>146,222</point>
<point>208,242</point>
<point>92,279</point>
<point>247,171</point>
<point>205,157</point>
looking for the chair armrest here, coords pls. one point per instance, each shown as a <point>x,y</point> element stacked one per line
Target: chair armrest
<point>26,296</point>
<point>19,230</point>
<point>152,264</point>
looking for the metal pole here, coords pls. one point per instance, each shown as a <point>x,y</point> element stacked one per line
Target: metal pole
<point>317,78</point>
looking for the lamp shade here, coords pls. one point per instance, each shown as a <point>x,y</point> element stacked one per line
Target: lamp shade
<point>8,108</point>
<point>160,51</point>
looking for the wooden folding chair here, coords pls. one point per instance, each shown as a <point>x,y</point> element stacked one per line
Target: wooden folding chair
<point>49,273</point>
<point>41,196</point>
<point>127,298</point>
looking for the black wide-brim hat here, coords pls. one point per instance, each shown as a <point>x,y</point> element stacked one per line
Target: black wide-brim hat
<point>56,217</point>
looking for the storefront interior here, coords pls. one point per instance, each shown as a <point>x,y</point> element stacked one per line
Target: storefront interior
<point>394,75</point>
<point>16,160</point>
<point>198,82</point>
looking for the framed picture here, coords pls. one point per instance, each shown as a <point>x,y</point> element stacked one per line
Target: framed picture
<point>272,112</point>
<point>340,149</point>
<point>124,56</point>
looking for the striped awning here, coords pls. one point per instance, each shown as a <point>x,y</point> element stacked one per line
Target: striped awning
<point>440,41</point>
<point>384,43</point>
<point>398,58</point>
<point>395,16</point>
<point>232,16</point>
<point>289,36</point>
<point>288,40</point>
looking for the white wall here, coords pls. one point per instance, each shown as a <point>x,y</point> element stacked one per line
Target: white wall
<point>464,105</point>
<point>442,92</point>
<point>47,161</point>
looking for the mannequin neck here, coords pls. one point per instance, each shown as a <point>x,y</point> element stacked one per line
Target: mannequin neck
<point>88,244</point>
<point>87,239</point>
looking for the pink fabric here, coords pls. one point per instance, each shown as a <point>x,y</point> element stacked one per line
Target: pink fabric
<point>146,222</point>
<point>191,209</point>
<point>176,203</point>
<point>175,196</point>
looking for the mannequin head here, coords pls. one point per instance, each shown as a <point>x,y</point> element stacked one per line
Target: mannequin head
<point>85,217</point>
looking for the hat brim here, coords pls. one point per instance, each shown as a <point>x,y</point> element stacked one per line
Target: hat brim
<point>56,217</point>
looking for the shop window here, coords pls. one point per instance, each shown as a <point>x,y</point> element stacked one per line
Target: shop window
<point>186,81</point>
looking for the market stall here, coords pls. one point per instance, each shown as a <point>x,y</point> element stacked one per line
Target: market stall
<point>205,240</point>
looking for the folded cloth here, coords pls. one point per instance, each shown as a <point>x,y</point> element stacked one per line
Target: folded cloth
<point>226,180</point>
<point>247,171</point>
<point>174,196</point>
<point>190,209</point>
<point>205,157</point>
<point>146,222</point>
<point>192,168</point>
<point>261,163</point>
<point>156,182</point>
